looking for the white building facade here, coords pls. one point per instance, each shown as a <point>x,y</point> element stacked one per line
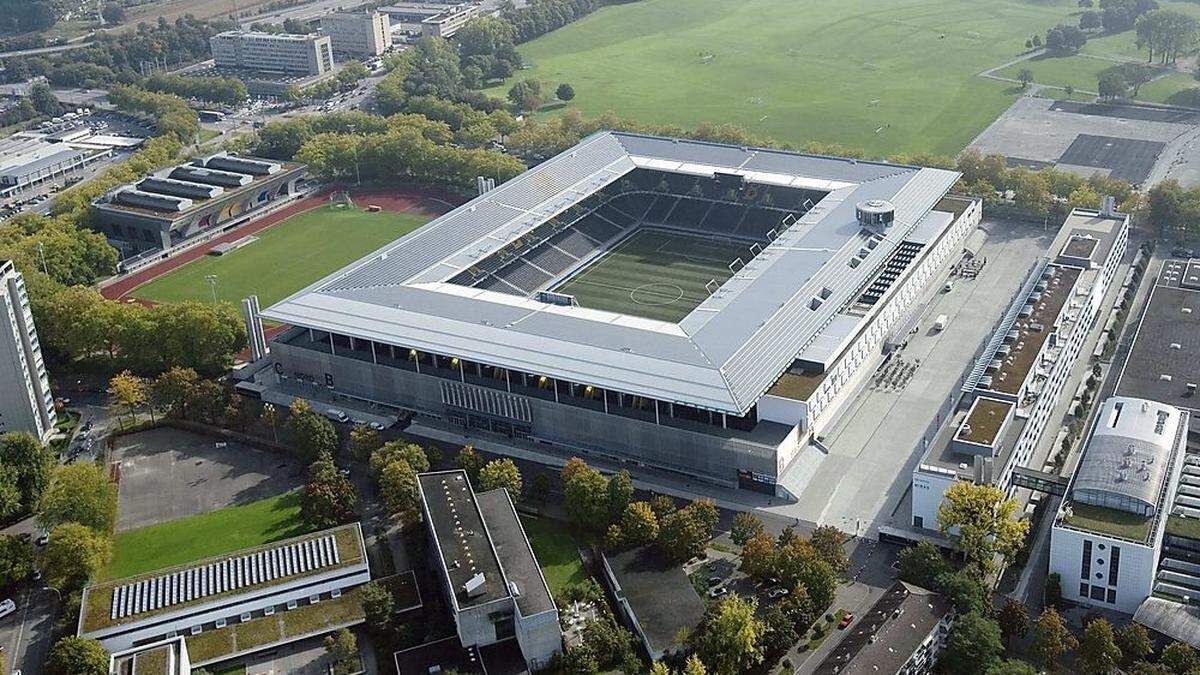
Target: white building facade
<point>305,55</point>
<point>26,402</point>
<point>358,33</point>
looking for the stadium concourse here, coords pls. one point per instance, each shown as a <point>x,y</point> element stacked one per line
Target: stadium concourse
<point>682,306</point>
<point>398,200</point>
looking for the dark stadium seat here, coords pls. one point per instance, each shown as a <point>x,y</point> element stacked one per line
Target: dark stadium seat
<point>597,228</point>
<point>575,243</point>
<point>615,215</point>
<point>660,208</point>
<point>759,221</point>
<point>723,218</point>
<point>524,276</point>
<point>689,213</point>
<point>550,259</point>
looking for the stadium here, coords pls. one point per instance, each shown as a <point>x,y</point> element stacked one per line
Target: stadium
<point>686,306</point>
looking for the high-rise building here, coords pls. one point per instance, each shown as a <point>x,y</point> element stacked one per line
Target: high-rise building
<point>305,55</point>
<point>26,403</point>
<point>358,33</point>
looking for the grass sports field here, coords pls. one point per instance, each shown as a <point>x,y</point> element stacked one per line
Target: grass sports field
<point>655,274</point>
<point>887,76</point>
<point>286,257</point>
<point>186,539</point>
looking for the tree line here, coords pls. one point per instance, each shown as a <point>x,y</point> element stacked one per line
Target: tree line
<point>171,115</point>
<point>225,90</point>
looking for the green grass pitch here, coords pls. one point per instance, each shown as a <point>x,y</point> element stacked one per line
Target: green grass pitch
<point>557,550</point>
<point>655,274</point>
<point>287,256</point>
<point>887,76</point>
<point>184,540</point>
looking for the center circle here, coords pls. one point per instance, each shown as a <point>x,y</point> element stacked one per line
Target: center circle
<point>656,293</point>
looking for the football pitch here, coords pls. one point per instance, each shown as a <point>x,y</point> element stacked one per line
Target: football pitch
<point>655,274</point>
<point>285,258</point>
<point>885,76</point>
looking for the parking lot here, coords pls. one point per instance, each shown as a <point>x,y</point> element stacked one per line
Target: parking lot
<point>882,427</point>
<point>168,473</point>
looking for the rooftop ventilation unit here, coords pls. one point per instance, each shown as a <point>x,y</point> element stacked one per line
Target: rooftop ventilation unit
<point>877,213</point>
<point>475,586</point>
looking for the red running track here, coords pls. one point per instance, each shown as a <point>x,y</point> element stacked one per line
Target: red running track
<point>394,200</point>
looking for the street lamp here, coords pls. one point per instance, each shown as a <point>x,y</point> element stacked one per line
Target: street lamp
<point>212,284</point>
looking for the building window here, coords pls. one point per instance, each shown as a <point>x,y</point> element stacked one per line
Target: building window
<point>1083,590</point>
<point>1085,565</point>
<point>1115,568</point>
<point>1112,596</point>
<point>918,521</point>
<point>1098,593</point>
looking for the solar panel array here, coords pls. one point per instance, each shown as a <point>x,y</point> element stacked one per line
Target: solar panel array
<point>225,575</point>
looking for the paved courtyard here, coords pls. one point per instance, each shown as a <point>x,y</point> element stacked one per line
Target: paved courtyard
<point>859,480</point>
<point>1139,144</point>
<point>169,473</point>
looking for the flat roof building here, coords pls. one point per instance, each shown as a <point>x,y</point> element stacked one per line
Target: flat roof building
<point>304,55</point>
<point>358,33</point>
<point>903,633</point>
<point>475,321</point>
<point>26,402</point>
<point>269,596</point>
<point>495,589</point>
<point>430,19</point>
<point>654,597</point>
<point>26,163</point>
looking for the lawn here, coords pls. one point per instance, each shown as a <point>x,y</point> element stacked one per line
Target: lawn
<point>186,539</point>
<point>287,256</point>
<point>1083,72</point>
<point>887,76</point>
<point>557,551</point>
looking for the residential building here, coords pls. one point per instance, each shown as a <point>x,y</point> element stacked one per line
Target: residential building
<point>26,402</point>
<point>903,633</point>
<point>358,33</point>
<point>491,578</point>
<point>304,55</point>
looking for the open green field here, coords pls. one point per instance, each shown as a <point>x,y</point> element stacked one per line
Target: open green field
<point>557,552</point>
<point>887,76</point>
<point>1083,72</point>
<point>186,539</point>
<point>287,256</point>
<point>656,275</point>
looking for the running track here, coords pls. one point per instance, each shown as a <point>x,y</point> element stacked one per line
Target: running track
<point>392,200</point>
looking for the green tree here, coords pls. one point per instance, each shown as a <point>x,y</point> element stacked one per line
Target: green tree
<point>974,644</point>
<point>173,390</point>
<point>501,473</point>
<point>922,564</point>
<point>639,525</point>
<point>342,648</point>
<point>694,666</point>
<point>564,92</point>
<point>744,526</point>
<point>112,13</point>
<point>728,638</point>
<point>1051,639</point>
<point>364,440</point>
<point>312,434</point>
<point>43,99</point>
<point>73,555</point>
<point>758,556</point>
<point>620,494</point>
<point>684,533</point>
<point>16,559</point>
<point>1134,642</point>
<point>1011,667</point>
<point>378,604</point>
<point>10,492</point>
<point>966,589</point>
<point>77,656</point>
<point>79,493</point>
<point>829,544</point>
<point>470,461</point>
<point>1025,76</point>
<point>585,493</point>
<point>526,95</point>
<point>398,489</point>
<point>329,497</point>
<point>33,463</point>
<point>128,390</point>
<point>1098,651</point>
<point>1014,619</point>
<point>986,521</point>
<point>1053,593</point>
<point>1110,85</point>
<point>394,450</point>
<point>1179,658</point>
<point>798,563</point>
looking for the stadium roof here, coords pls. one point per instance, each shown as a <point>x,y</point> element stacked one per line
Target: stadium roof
<point>722,356</point>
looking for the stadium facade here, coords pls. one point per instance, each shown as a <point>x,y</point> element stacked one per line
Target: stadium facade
<point>687,306</point>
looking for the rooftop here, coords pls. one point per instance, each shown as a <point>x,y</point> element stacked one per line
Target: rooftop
<point>1172,619</point>
<point>659,593</point>
<point>1032,329</point>
<point>159,658</point>
<point>1112,522</point>
<point>1162,362</point>
<point>882,640</point>
<point>462,537</point>
<point>722,356</point>
<point>515,552</point>
<point>984,421</point>
<point>1087,237</point>
<point>172,590</point>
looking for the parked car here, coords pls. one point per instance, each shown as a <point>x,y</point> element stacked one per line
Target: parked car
<point>7,607</point>
<point>846,621</point>
<point>718,591</point>
<point>43,539</point>
<point>777,592</point>
<point>337,415</point>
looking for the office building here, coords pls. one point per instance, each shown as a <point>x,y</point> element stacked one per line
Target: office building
<point>362,34</point>
<point>302,55</point>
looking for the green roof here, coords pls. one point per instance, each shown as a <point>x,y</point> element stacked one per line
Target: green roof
<point>1108,521</point>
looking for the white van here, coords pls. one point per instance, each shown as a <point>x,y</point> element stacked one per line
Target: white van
<point>939,324</point>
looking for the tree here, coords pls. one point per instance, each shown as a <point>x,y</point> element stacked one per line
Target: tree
<point>745,525</point>
<point>394,450</point>
<point>779,630</point>
<point>1135,75</point>
<point>974,644</point>
<point>342,648</point>
<point>526,95</point>
<point>727,640</point>
<point>79,493</point>
<point>329,497</point>
<point>620,494</point>
<point>585,492</point>
<point>922,564</point>
<point>1014,619</point>
<point>16,559</point>
<point>1051,638</point>
<point>638,525</point>
<point>1053,591</point>
<point>1025,76</point>
<point>1090,20</point>
<point>470,461</point>
<point>1134,642</point>
<point>1098,651</point>
<point>128,390</point>
<point>1011,667</point>
<point>10,492</point>
<point>364,440</point>
<point>43,99</point>
<point>966,589</point>
<point>501,473</point>
<point>312,434</point>
<point>378,604</point>
<point>1065,38</point>
<point>77,656</point>
<point>758,556</point>
<point>985,519</point>
<point>33,463</point>
<point>564,92</point>
<point>797,563</point>
<point>112,13</point>
<point>173,389</point>
<point>829,544</point>
<point>1111,85</point>
<point>694,666</point>
<point>398,489</point>
<point>684,533</point>
<point>73,555</point>
<point>1179,658</point>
